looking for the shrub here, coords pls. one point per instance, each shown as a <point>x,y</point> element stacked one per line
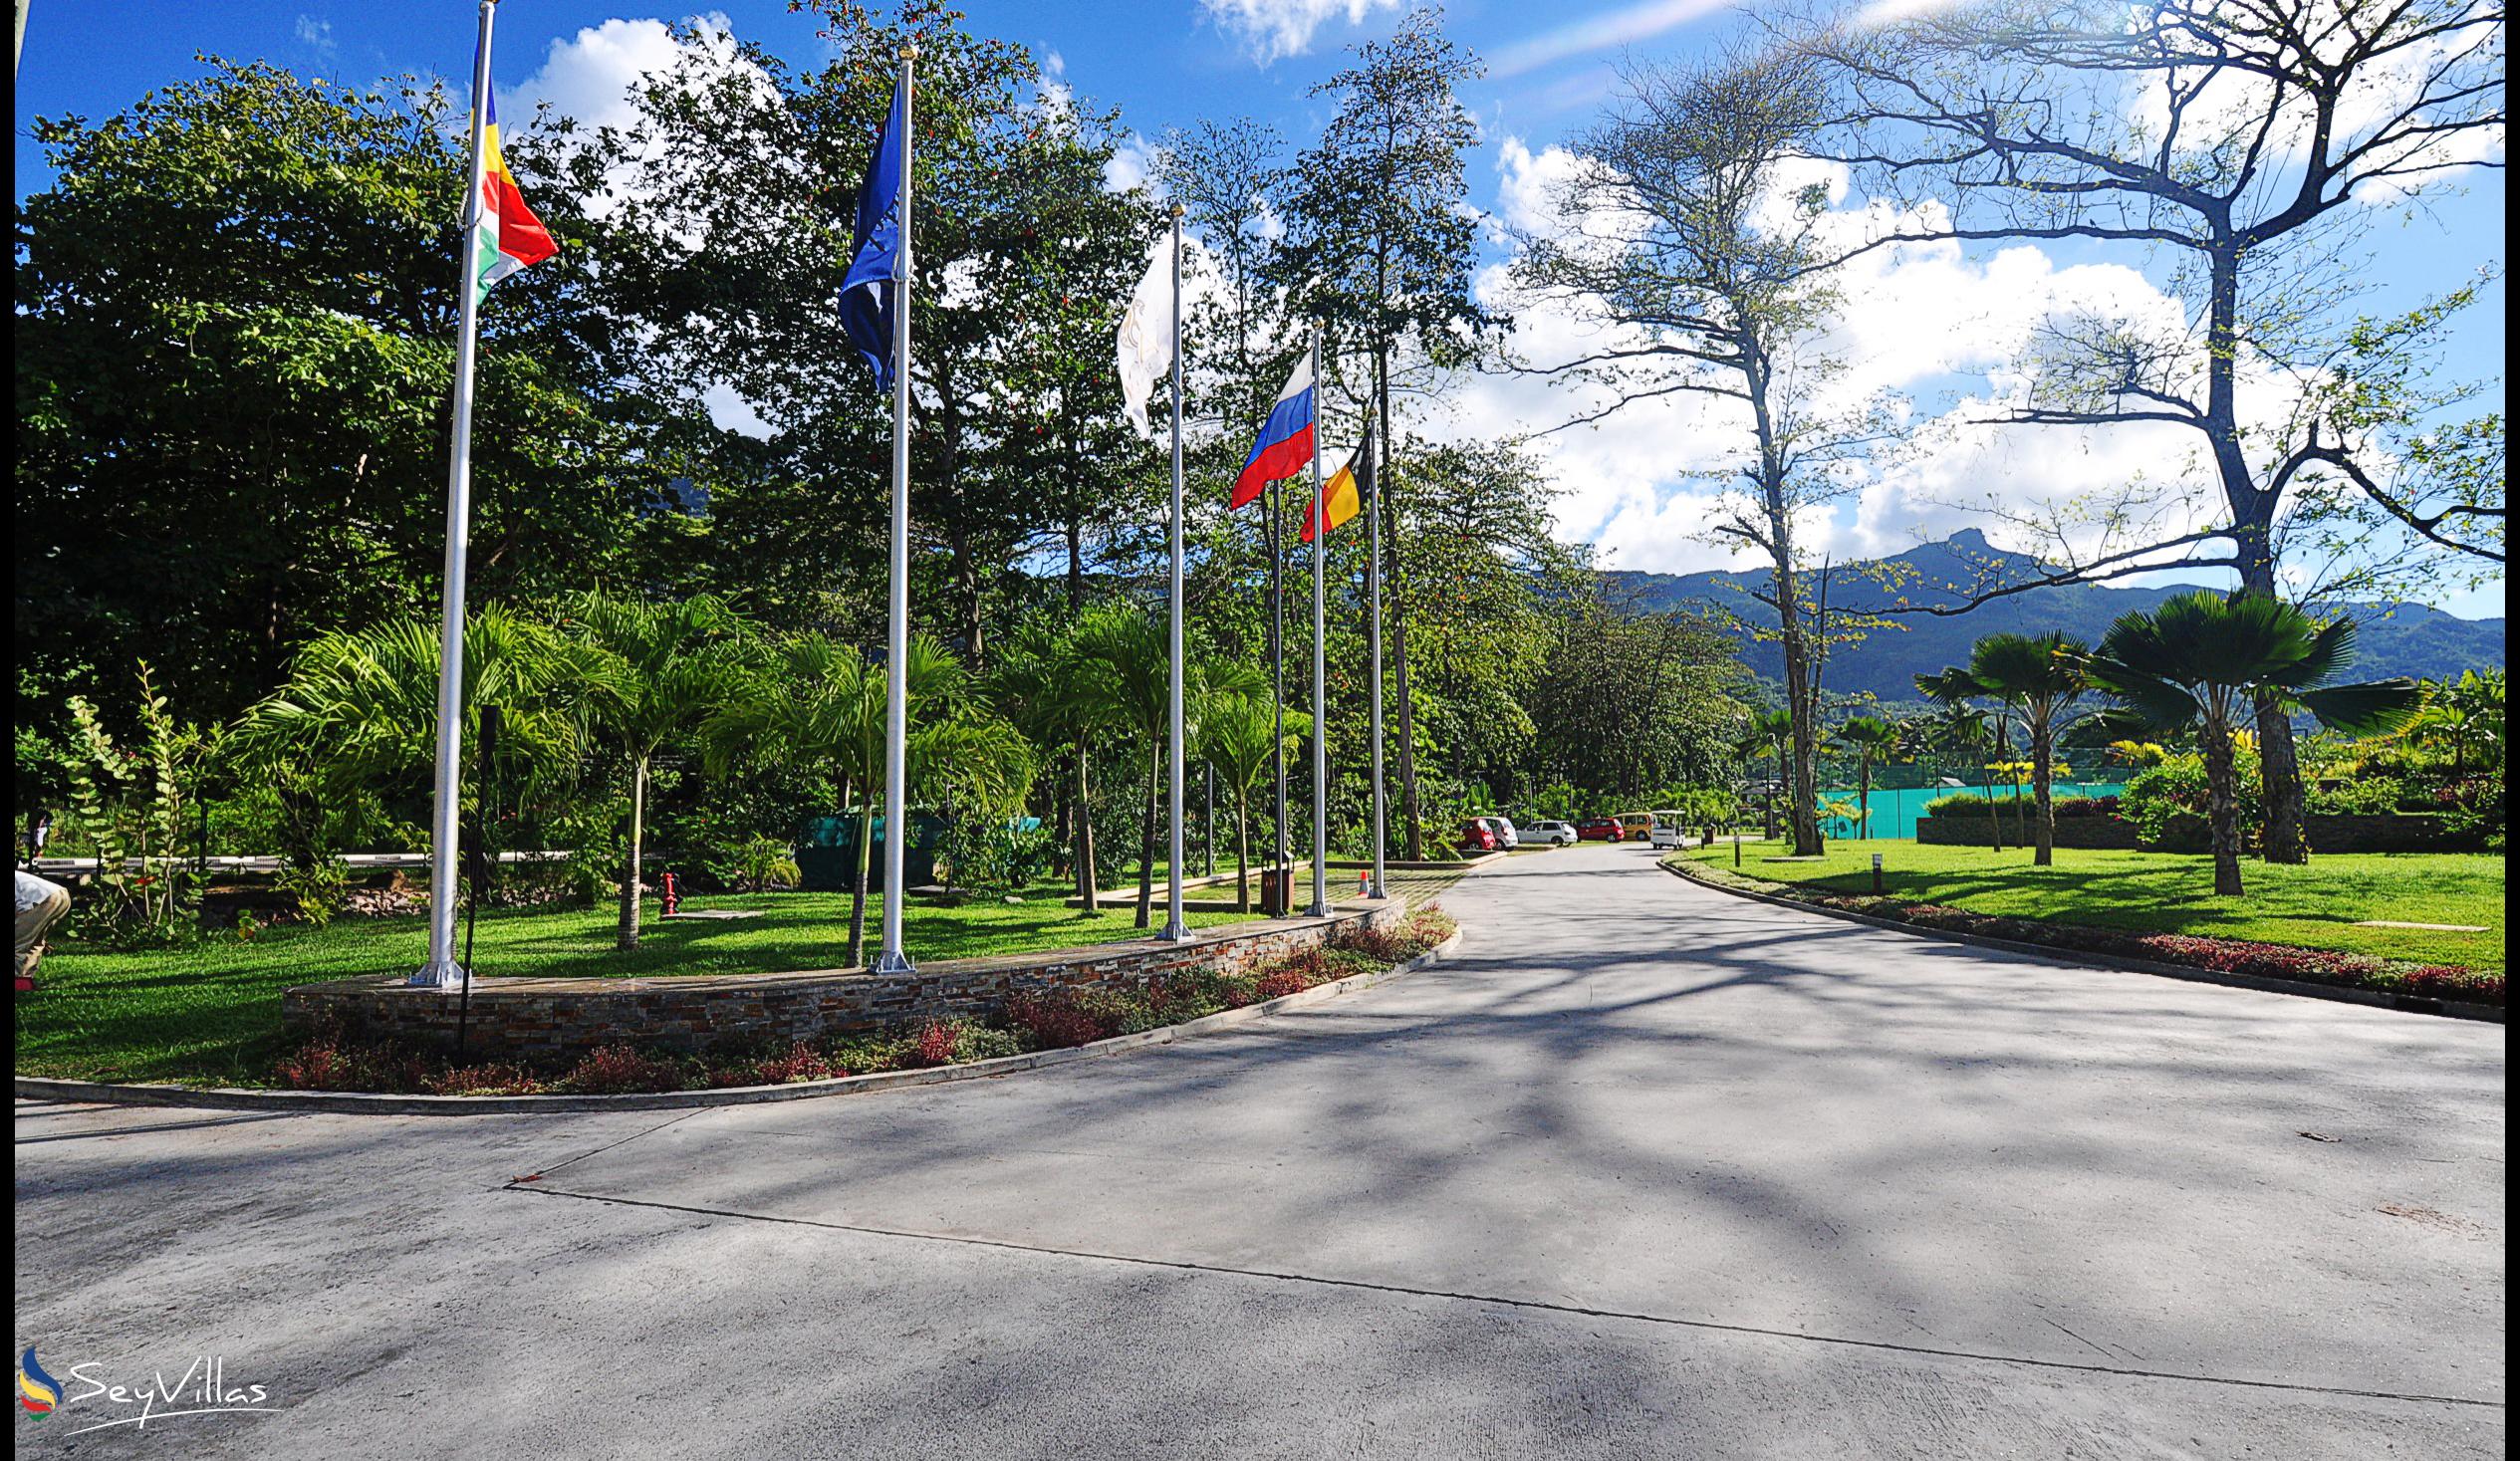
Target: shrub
<point>1280,982</point>
<point>2169,804</point>
<point>2364,796</point>
<point>620,1070</point>
<point>319,889</point>
<point>984,1043</point>
<point>1056,1019</point>
<point>935,1044</point>
<point>331,1060</point>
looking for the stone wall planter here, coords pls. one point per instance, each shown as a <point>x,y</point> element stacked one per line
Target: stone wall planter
<point>545,1019</point>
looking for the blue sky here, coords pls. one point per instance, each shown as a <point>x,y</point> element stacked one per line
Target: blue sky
<point>1169,61</point>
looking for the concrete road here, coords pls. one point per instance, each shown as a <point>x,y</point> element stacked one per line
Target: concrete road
<point>1645,1172</point>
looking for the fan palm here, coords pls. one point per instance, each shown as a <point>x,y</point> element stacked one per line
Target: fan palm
<point>665,667</point>
<point>1770,733</point>
<point>2040,676</point>
<point>2202,659</point>
<point>1872,739</point>
<point>1966,729</point>
<point>1035,683</point>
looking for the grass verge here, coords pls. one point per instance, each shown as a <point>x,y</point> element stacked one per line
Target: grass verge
<point>2294,923</point>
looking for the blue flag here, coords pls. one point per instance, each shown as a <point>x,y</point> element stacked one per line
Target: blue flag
<point>870,293</point>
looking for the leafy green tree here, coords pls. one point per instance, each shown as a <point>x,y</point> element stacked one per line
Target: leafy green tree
<point>1963,729</point>
<point>663,670</point>
<point>1380,247</point>
<point>2040,676</point>
<point>2205,660</point>
<point>234,341</point>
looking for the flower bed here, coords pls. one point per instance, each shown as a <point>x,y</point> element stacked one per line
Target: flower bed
<point>2221,955</point>
<point>1052,1019</point>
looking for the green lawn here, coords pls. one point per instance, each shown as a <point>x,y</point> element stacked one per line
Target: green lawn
<point>210,1013</point>
<point>2315,906</point>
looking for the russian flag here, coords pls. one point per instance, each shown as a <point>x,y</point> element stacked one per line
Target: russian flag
<point>1285,447</point>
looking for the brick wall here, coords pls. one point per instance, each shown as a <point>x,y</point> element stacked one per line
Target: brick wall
<point>542,1018</point>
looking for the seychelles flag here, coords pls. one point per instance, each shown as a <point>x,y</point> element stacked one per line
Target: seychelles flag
<point>1286,438</point>
<point>511,236</point>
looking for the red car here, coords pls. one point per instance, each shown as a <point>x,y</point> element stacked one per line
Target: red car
<point>1599,830</point>
<point>1477,836</point>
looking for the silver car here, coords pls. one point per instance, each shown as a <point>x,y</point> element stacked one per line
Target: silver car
<point>1506,837</point>
<point>1552,834</point>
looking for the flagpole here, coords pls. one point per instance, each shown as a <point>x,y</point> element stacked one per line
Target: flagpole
<point>897,821</point>
<point>1277,695</point>
<point>1320,671</point>
<point>1373,631</point>
<point>1176,929</point>
<point>441,969</point>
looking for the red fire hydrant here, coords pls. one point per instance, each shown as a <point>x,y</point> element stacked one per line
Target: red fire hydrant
<point>673,898</point>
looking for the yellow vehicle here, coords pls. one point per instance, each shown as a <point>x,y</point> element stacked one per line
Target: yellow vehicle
<point>1635,826</point>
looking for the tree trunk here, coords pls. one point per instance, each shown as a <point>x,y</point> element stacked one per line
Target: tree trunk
<point>627,938</point>
<point>2042,784</point>
<point>1242,850</point>
<point>1994,806</point>
<point>1146,841</point>
<point>1087,872</point>
<point>1394,590</point>
<point>2222,781</point>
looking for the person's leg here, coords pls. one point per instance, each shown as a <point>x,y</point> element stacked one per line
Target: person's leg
<point>35,919</point>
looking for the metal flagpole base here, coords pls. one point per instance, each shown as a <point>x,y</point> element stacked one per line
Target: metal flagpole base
<point>1174,932</point>
<point>444,974</point>
<point>892,961</point>
<point>1375,891</point>
<point>1318,910</point>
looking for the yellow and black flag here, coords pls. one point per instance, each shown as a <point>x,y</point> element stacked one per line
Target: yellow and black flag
<point>1344,494</point>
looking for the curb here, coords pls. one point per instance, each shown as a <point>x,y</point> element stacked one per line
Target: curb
<point>2377,999</point>
<point>39,1087</point>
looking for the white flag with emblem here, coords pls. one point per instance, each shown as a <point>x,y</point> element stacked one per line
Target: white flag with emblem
<point>1145,334</point>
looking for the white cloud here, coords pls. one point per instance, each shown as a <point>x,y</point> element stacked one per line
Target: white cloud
<point>1271,30</point>
<point>1133,164</point>
<point>1598,33</point>
<point>317,35</point>
<point>590,75</point>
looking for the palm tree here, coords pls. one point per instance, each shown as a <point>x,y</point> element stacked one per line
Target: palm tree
<point>1238,735</point>
<point>1964,728</point>
<point>2040,676</point>
<point>358,713</point>
<point>1872,739</point>
<point>2202,659</point>
<point>1123,675</point>
<point>1035,685</point>
<point>2465,718</point>
<point>821,703</point>
<point>665,667</point>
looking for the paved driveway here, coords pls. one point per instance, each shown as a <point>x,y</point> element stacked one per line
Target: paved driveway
<point>1643,1172</point>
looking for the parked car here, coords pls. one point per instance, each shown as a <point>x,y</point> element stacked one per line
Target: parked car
<point>1635,825</point>
<point>1599,830</point>
<point>1667,834</point>
<point>1506,837</point>
<point>1477,836</point>
<point>1551,833</point>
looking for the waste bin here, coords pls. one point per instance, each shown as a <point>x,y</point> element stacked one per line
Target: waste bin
<point>1273,898</point>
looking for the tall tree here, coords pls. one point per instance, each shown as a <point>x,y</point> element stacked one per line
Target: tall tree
<point>1379,249</point>
<point>1684,234</point>
<point>235,327</point>
<point>2250,143</point>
